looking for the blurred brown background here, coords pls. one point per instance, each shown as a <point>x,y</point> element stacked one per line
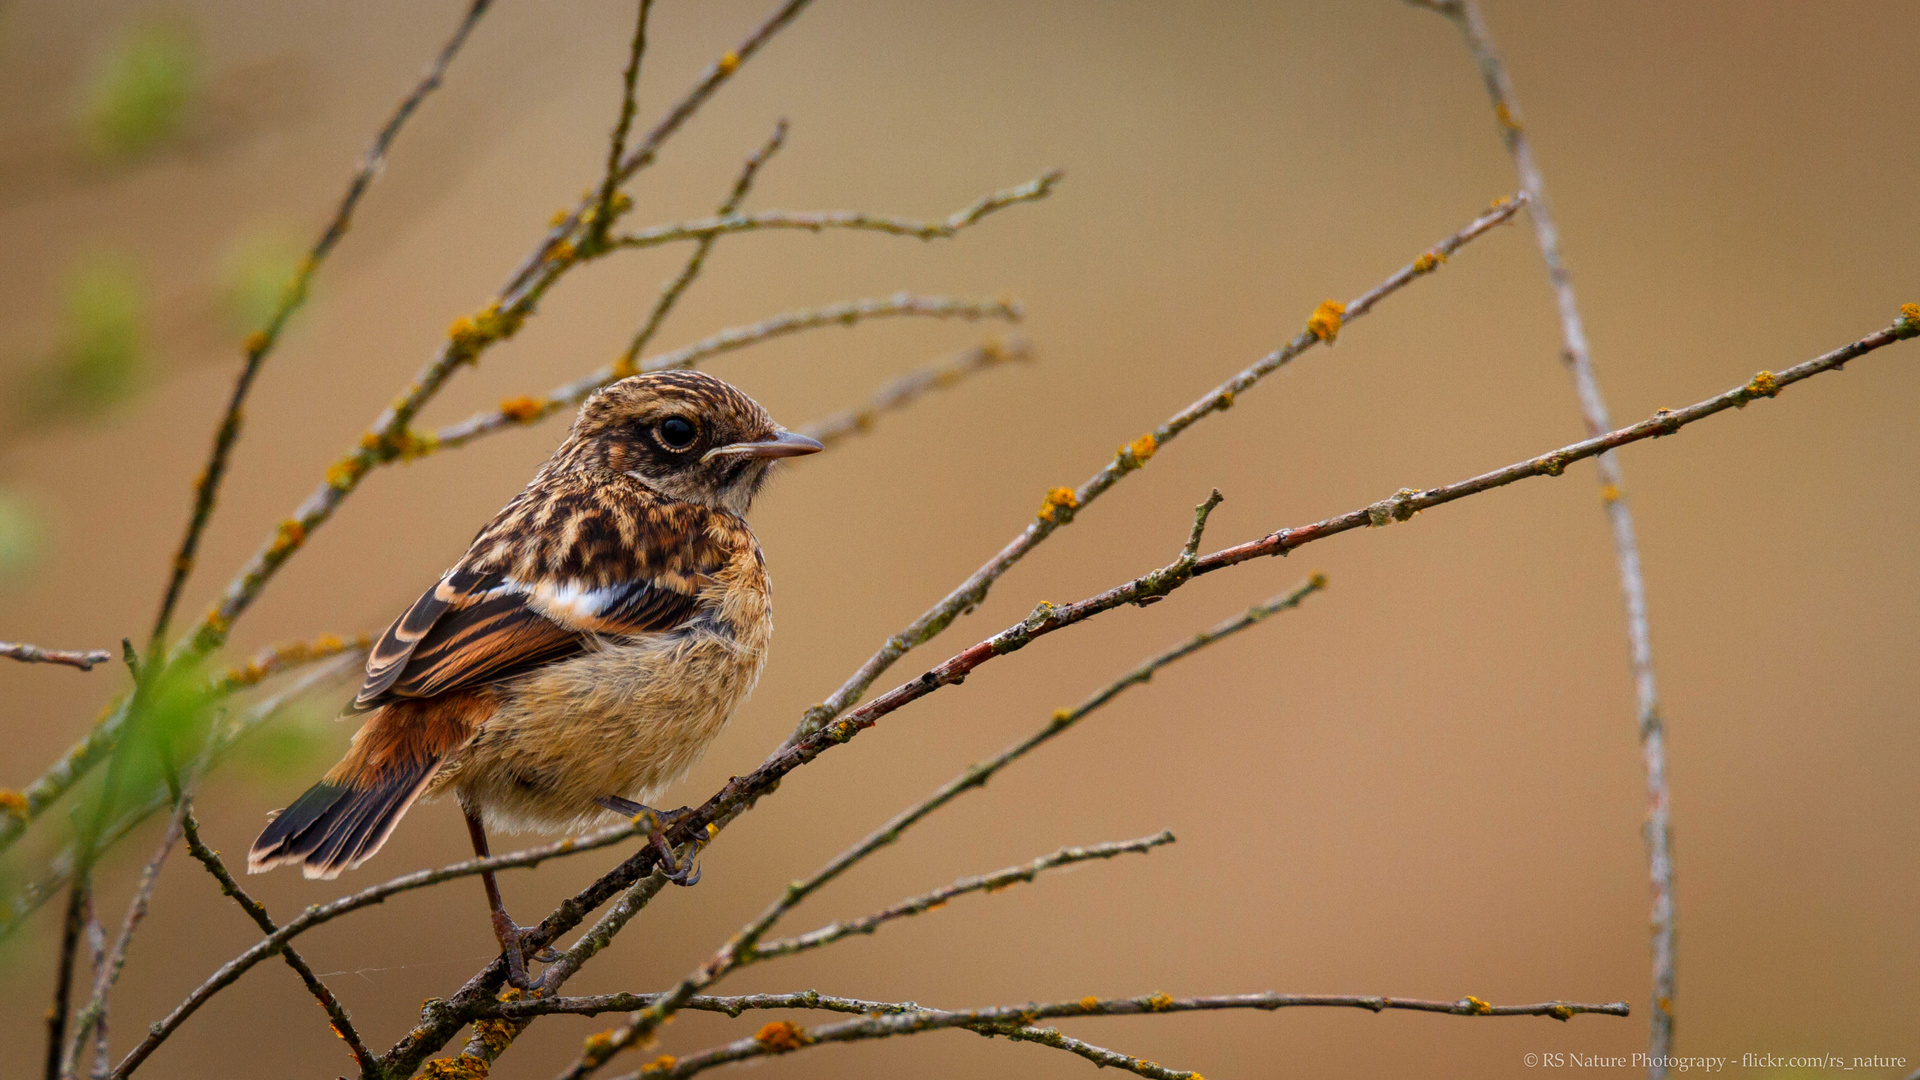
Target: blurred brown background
<point>1424,783</point>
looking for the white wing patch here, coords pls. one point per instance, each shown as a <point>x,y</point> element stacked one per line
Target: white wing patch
<point>568,602</point>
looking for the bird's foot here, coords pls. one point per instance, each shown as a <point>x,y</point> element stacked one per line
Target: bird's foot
<point>684,875</point>
<point>513,943</point>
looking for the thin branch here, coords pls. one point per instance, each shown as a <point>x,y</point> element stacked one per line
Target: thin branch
<point>336,1013</point>
<point>107,968</point>
<point>976,776</point>
<point>908,1019</point>
<point>1145,1004</point>
<point>704,228</point>
<point>993,882</point>
<point>617,148</point>
<point>1062,503</point>
<point>79,899</point>
<point>908,388</point>
<point>261,342</point>
<point>1658,830</point>
<point>530,410</point>
<point>439,1023</point>
<point>34,654</point>
<point>283,658</point>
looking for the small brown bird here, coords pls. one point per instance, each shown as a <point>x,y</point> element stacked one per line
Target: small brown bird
<point>582,654</point>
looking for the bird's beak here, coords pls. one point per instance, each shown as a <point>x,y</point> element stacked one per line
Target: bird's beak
<point>785,444</point>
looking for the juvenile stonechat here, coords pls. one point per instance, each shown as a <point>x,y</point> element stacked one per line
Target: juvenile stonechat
<point>583,653</point>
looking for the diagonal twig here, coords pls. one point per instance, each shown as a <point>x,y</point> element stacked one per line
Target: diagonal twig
<point>926,902</point>
<point>1658,828</point>
<point>84,659</point>
<point>336,1013</point>
<point>908,388</point>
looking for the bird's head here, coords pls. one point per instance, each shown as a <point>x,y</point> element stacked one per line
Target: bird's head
<point>685,434</point>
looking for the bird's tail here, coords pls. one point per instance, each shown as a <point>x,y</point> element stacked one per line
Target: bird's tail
<point>340,823</point>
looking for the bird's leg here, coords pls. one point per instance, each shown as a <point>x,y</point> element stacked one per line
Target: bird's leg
<point>662,820</point>
<point>511,935</point>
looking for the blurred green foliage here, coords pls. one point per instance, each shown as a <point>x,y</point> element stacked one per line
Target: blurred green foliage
<point>143,91</point>
<point>22,535</point>
<point>254,272</point>
<point>97,363</point>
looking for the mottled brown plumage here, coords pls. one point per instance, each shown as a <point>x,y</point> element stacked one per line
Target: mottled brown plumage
<point>586,649</point>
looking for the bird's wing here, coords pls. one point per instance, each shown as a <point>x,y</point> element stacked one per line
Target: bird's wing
<point>514,606</point>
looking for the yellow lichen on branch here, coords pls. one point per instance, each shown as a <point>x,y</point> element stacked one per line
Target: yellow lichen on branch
<point>1428,261</point>
<point>14,803</point>
<point>1324,323</point>
<point>661,1064</point>
<point>464,1067</point>
<point>1058,499</point>
<point>781,1036</point>
<point>1139,451</point>
<point>1909,324</point>
<point>523,408</point>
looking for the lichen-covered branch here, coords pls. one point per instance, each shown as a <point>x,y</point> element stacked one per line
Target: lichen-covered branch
<point>336,1013</point>
<point>261,342</point>
<point>725,223</point>
<point>898,1019</point>
<point>908,388</point>
<point>1062,504</point>
<point>84,659</point>
<point>926,902</point>
<point>528,410</point>
<point>1658,829</point>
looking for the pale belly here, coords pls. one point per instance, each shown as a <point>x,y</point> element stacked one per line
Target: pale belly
<point>625,720</point>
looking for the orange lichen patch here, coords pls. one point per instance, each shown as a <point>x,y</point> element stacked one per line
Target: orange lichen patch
<point>14,803</point>
<point>464,1067</point>
<point>468,334</point>
<point>257,342</point>
<point>559,217</point>
<point>598,1045</point>
<point>781,1036</point>
<point>1560,1012</point>
<point>624,367</point>
<point>522,409</point>
<point>1318,580</point>
<point>1324,323</point>
<point>661,1064</point>
<point>1763,385</point>
<point>1427,261</point>
<point>1139,451</point>
<point>1058,499</point>
<point>1609,494</point>
<point>1159,1003</point>
<point>1505,116</point>
<point>563,252</point>
<point>1089,1003</point>
<point>287,537</point>
<point>1480,1008</point>
<point>728,62</point>
<point>344,473</point>
<point>1909,324</point>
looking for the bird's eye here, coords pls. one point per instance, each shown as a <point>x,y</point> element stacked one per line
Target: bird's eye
<point>675,432</point>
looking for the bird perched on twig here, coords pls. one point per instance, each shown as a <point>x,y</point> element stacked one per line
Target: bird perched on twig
<point>582,654</point>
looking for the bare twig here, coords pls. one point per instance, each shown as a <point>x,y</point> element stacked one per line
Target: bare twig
<point>906,1019</point>
<point>79,898</point>
<point>1658,830</point>
<point>261,342</point>
<point>993,882</point>
<point>848,313</point>
<point>108,966</point>
<point>281,658</point>
<point>903,391</point>
<point>336,1013</point>
<point>34,654</point>
<point>1037,188</point>
<point>617,148</point>
<point>1062,503</point>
